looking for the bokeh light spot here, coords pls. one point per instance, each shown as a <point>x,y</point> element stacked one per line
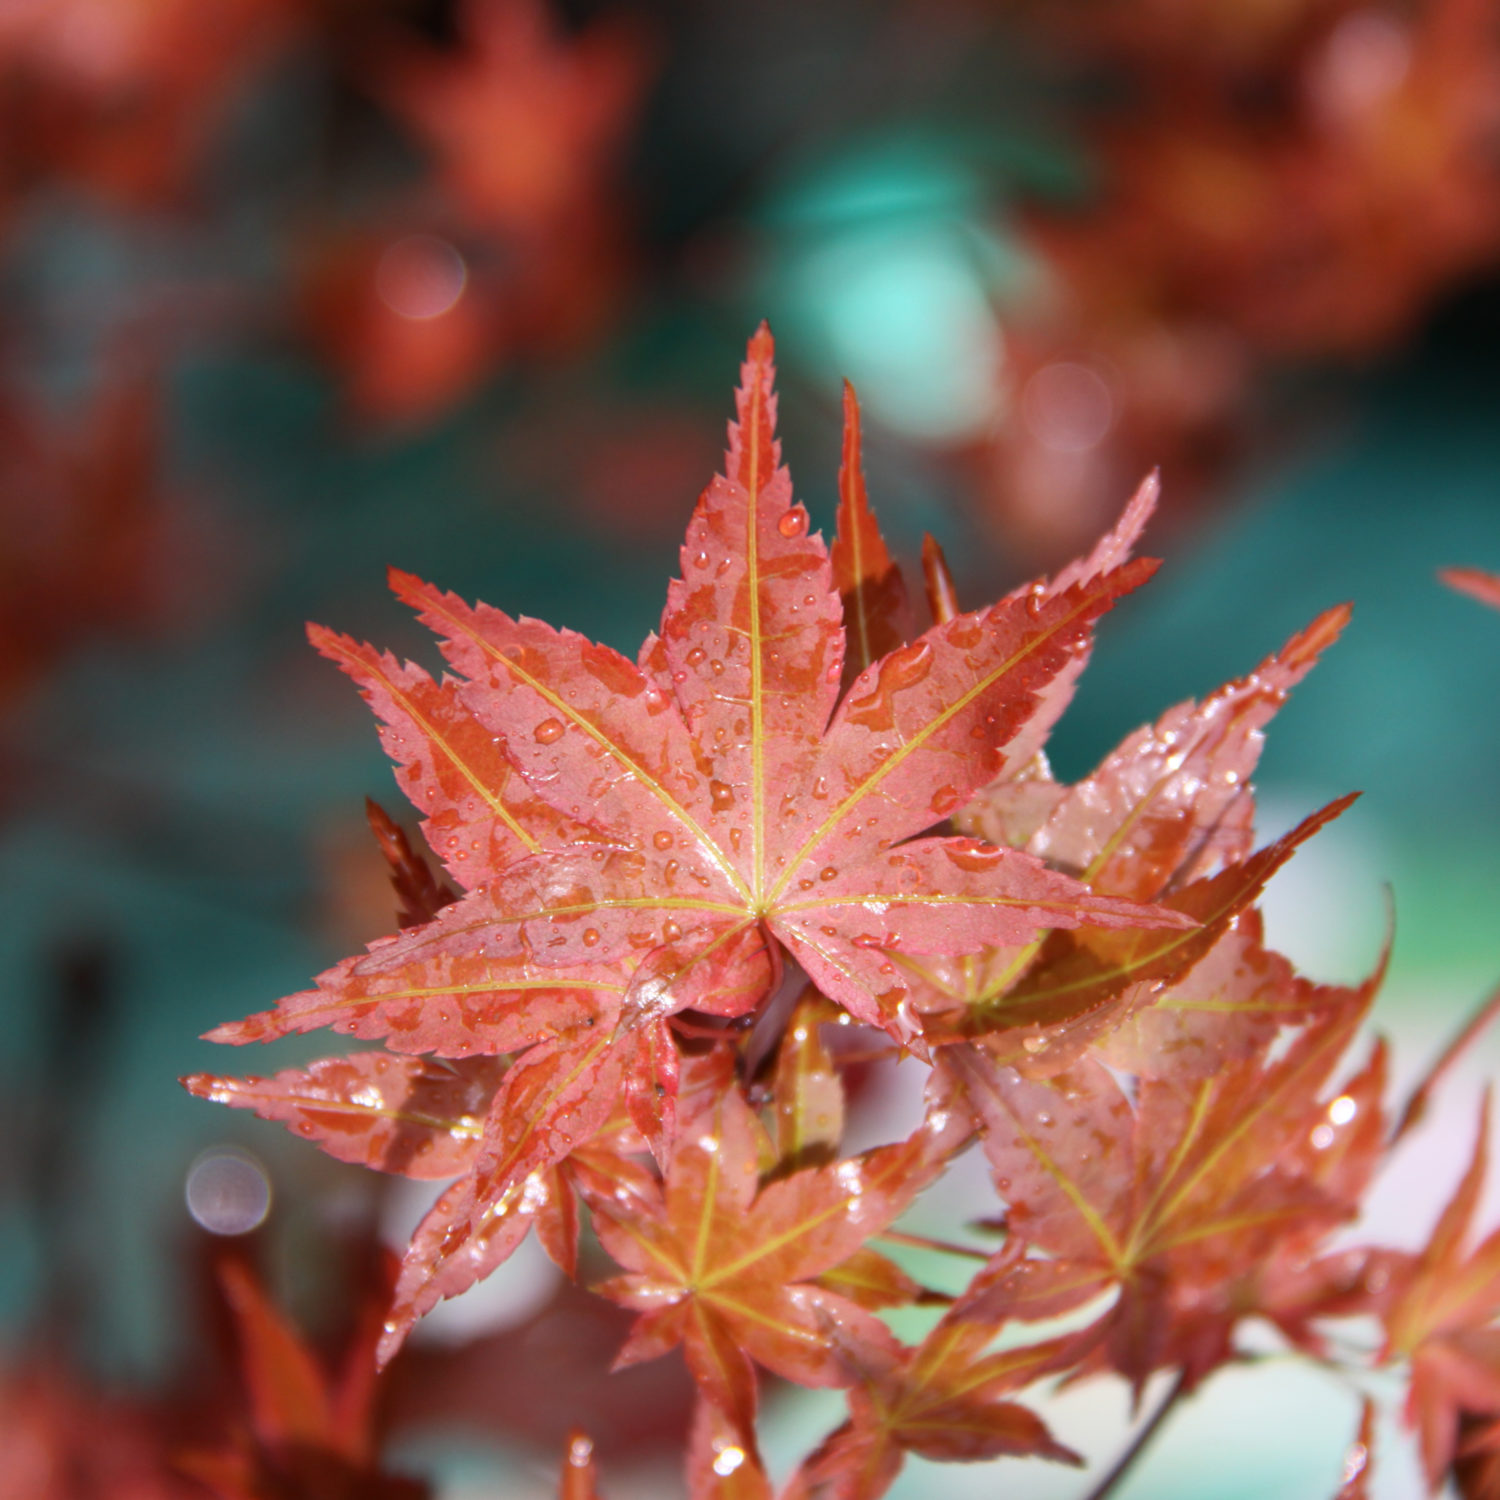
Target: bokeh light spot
<point>907,320</point>
<point>1364,62</point>
<point>1067,407</point>
<point>228,1191</point>
<point>420,277</point>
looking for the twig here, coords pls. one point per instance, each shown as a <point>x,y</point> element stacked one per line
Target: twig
<point>1143,1436</point>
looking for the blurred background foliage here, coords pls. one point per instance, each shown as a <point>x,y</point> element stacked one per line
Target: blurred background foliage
<point>291,290</point>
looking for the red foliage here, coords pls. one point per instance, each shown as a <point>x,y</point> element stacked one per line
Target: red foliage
<point>518,240</point>
<point>600,1019</point>
<point>1276,183</point>
<point>125,96</point>
<point>94,544</point>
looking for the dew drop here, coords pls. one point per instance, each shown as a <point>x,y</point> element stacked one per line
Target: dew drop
<point>828,872</point>
<point>695,656</point>
<point>793,523</point>
<point>670,932</point>
<point>548,731</point>
<point>662,839</point>
<point>590,936</point>
<point>720,796</point>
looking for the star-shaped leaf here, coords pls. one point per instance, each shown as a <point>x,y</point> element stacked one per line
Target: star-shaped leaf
<point>1169,1192</point>
<point>728,1264</point>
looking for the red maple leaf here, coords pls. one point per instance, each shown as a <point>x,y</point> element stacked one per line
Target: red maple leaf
<point>308,1433</point>
<point>946,1399</point>
<point>1167,816</point>
<point>1178,1191</point>
<point>1442,1320</point>
<point>726,1256</point>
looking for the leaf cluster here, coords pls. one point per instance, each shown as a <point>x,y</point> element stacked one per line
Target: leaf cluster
<point>690,892</point>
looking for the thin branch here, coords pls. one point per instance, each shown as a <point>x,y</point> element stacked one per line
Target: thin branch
<point>1143,1436</point>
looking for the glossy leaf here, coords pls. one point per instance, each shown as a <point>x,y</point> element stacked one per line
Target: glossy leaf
<point>877,617</point>
<point>946,1399</point>
<point>1184,1186</point>
<point>1164,805</point>
<point>722,1464</point>
<point>1075,990</point>
<point>1441,1321</point>
<point>411,1115</point>
<point>728,1264</point>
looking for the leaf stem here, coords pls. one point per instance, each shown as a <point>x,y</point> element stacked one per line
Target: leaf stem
<point>1138,1443</point>
<point>925,1242</point>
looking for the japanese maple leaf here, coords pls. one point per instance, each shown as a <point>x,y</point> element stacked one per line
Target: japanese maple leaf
<point>1442,1319</point>
<point>737,805</point>
<point>728,1264</point>
<point>1167,816</point>
<point>308,1433</point>
<point>1077,994</point>
<point>1170,1193</point>
<point>946,1399</point>
<point>425,1118</point>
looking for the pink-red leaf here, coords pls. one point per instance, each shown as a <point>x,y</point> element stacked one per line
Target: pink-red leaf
<point>408,1115</point>
<point>877,618</point>
<point>726,1262</point>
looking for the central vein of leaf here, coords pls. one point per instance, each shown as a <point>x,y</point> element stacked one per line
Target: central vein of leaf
<point>708,1205</point>
<point>920,738</point>
<point>757,644</point>
<point>616,752</point>
<point>435,735</point>
<point>536,1116</point>
<point>1267,1100</point>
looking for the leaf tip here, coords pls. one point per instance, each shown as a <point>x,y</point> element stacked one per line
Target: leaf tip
<point>256,1028</point>
<point>762,347</point>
